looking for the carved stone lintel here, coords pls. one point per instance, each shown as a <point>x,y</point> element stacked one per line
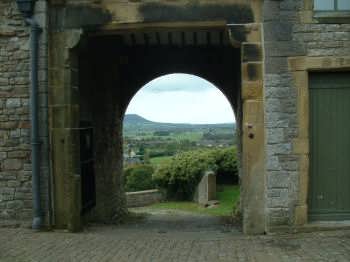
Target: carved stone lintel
<point>73,38</point>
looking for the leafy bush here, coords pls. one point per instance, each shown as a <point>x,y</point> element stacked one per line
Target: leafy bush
<point>226,162</point>
<point>180,176</point>
<point>138,177</point>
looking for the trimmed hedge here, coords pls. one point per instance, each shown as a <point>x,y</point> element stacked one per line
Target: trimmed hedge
<point>138,177</point>
<point>180,176</point>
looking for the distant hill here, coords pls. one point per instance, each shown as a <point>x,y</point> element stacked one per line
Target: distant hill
<point>134,121</point>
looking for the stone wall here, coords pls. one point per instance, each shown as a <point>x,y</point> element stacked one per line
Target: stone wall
<point>15,175</point>
<point>143,198</point>
<point>290,32</point>
<point>15,163</point>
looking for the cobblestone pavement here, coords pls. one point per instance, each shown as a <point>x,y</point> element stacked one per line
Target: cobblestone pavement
<point>145,242</point>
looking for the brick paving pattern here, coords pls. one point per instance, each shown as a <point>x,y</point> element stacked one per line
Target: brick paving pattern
<point>112,243</point>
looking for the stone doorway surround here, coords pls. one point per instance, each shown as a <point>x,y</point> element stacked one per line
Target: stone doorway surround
<point>300,68</point>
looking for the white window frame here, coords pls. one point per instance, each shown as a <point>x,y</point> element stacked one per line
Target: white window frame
<point>335,15</point>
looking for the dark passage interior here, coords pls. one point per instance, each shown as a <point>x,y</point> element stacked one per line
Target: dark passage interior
<point>111,70</point>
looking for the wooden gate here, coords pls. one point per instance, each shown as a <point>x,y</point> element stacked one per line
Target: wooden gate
<point>329,185</point>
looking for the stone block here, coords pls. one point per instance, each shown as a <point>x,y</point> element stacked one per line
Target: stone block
<point>74,205</point>
<point>281,148</point>
<point>15,133</point>
<point>7,191</point>
<point>143,198</point>
<point>65,116</point>
<point>206,189</point>
<point>18,154</point>
<point>273,163</point>
<point>27,167</point>
<point>237,33</point>
<point>4,81</point>
<point>301,146</point>
<point>252,52</point>
<point>271,10</point>
<point>284,48</point>
<point>300,215</point>
<point>252,89</point>
<point>12,164</point>
<point>13,102</point>
<point>308,5</point>
<point>290,165</point>
<point>275,135</point>
<point>306,16</point>
<point>277,120</point>
<point>5,176</point>
<point>278,31</point>
<point>254,34</point>
<point>276,65</point>
<point>277,216</point>
<point>13,183</point>
<point>278,79</point>
<point>276,105</point>
<point>304,162</point>
<point>3,155</point>
<point>281,92</point>
<point>15,204</point>
<point>277,179</point>
<point>252,71</point>
<point>291,5</point>
<point>277,198</point>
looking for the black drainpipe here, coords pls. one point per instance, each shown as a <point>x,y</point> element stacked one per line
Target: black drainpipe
<point>26,7</point>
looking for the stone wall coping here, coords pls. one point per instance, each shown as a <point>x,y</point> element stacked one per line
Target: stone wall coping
<point>143,192</point>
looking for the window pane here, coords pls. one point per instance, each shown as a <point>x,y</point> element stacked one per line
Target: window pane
<point>324,5</point>
<point>343,4</point>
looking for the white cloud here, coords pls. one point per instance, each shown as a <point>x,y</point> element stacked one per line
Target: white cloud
<point>178,82</point>
<point>180,98</point>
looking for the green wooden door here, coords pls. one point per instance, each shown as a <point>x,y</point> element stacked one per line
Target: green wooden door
<point>329,184</point>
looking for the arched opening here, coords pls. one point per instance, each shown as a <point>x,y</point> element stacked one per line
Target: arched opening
<point>173,118</point>
<point>110,78</point>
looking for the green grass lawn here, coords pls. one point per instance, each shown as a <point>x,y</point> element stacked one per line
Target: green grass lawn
<point>227,195</point>
<point>156,161</point>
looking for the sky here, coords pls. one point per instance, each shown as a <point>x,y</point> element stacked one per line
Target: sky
<point>181,98</point>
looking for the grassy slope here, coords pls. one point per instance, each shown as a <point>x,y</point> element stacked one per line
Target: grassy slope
<point>156,161</point>
<point>228,198</point>
<point>191,136</point>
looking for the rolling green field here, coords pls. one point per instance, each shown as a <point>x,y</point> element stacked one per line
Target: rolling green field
<point>228,197</point>
<point>193,136</point>
<point>156,161</point>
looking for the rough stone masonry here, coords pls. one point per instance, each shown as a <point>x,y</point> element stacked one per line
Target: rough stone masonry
<point>15,155</point>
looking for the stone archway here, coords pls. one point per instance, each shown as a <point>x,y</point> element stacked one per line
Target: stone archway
<point>95,71</point>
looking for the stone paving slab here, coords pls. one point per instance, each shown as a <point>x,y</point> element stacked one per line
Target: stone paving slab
<point>112,243</point>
